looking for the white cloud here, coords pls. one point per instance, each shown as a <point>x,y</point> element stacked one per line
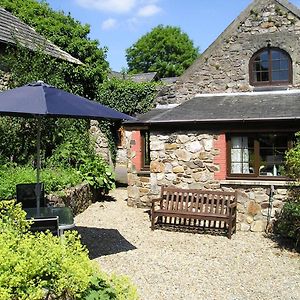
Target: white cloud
<point>117,6</point>
<point>109,24</point>
<point>132,23</point>
<point>149,10</point>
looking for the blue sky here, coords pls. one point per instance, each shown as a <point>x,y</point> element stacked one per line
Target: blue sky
<point>118,24</point>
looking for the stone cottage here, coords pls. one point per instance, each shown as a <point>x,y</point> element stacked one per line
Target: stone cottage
<point>228,120</point>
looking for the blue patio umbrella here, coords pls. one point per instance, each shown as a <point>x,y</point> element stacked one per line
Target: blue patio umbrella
<point>40,100</point>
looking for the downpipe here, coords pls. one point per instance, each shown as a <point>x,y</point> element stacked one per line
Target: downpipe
<point>270,207</point>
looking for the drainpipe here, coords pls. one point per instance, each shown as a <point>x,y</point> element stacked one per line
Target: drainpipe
<point>272,190</point>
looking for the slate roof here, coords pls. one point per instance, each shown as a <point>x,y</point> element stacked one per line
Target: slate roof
<point>255,106</point>
<point>143,77</point>
<point>169,80</point>
<point>116,74</point>
<point>13,29</point>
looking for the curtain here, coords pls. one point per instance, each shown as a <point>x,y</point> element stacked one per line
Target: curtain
<point>239,155</point>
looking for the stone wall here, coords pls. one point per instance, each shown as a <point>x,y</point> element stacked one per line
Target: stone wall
<point>186,159</point>
<point>78,198</point>
<point>224,66</point>
<point>101,142</point>
<point>183,159</point>
<point>257,204</point>
<point>4,78</point>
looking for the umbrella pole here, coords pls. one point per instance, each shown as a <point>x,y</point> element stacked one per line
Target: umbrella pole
<point>38,166</point>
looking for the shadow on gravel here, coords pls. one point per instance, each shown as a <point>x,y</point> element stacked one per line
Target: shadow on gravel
<point>104,198</point>
<point>284,243</point>
<point>101,241</point>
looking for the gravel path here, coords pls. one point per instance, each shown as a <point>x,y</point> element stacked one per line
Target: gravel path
<point>176,265</point>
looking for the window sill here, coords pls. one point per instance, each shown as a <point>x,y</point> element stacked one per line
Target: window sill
<point>257,182</point>
<point>143,173</point>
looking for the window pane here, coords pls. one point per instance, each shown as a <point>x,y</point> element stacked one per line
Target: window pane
<point>275,54</point>
<point>283,56</point>
<point>256,76</point>
<point>275,65</point>
<point>272,149</point>
<point>264,65</point>
<point>242,151</point>
<point>280,75</point>
<point>257,66</point>
<point>264,56</point>
<point>265,76</point>
<point>284,65</point>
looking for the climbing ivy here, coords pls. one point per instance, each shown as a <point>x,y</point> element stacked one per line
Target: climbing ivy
<point>127,96</point>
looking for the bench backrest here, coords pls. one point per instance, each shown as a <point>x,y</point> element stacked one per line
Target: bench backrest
<point>194,200</point>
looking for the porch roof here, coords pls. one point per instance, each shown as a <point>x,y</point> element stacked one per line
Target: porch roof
<point>252,106</point>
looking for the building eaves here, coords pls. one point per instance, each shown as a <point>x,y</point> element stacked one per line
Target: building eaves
<point>291,7</point>
<point>255,106</point>
<point>13,30</point>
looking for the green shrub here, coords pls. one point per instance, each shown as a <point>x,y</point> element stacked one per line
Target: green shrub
<point>104,287</point>
<point>288,223</point>
<point>11,214</point>
<point>97,173</point>
<point>91,167</point>
<point>55,179</point>
<point>36,266</point>
<point>293,160</point>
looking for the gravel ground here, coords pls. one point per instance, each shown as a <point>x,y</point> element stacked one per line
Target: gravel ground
<point>177,265</point>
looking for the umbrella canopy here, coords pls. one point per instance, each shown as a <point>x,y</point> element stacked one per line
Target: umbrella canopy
<point>41,99</point>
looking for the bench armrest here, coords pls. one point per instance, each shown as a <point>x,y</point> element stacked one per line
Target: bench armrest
<point>232,205</point>
<point>155,200</point>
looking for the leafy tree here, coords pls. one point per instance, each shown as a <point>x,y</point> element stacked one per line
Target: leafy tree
<point>71,36</point>
<point>166,50</point>
<point>18,134</point>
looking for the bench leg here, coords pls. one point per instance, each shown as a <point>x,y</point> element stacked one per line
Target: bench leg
<point>229,228</point>
<point>152,221</point>
<point>234,222</point>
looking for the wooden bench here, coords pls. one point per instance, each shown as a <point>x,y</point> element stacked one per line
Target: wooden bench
<point>195,208</point>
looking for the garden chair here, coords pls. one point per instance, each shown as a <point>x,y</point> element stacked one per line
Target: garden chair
<point>42,224</point>
<point>26,194</point>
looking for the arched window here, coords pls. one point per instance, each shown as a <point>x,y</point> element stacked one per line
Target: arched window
<point>270,66</point>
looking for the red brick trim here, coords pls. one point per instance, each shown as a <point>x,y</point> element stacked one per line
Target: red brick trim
<point>135,146</point>
<point>220,159</point>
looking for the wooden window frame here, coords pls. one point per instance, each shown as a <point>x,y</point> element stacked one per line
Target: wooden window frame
<point>255,175</point>
<point>270,82</point>
<point>145,166</point>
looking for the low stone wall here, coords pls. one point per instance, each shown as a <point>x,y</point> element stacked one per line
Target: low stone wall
<point>78,198</point>
<point>257,205</point>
